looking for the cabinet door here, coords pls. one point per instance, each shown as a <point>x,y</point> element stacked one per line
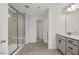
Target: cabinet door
<point>61,44</point>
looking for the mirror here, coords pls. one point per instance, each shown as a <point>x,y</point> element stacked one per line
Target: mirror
<point>72,22</point>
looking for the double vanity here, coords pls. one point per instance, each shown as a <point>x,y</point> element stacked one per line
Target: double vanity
<point>68,44</point>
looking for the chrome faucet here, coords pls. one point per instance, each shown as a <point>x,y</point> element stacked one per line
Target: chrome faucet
<point>70,33</point>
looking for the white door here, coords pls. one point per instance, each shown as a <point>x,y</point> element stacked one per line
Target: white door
<point>3,28</point>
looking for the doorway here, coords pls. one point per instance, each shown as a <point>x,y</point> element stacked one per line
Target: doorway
<point>39,30</point>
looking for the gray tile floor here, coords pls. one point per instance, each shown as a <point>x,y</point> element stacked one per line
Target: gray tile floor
<point>38,48</point>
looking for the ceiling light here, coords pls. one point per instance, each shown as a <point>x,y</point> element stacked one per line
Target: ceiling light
<point>69,9</point>
<point>26,6</point>
<point>38,7</point>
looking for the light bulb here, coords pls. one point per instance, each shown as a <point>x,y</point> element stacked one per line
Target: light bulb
<point>73,7</point>
<point>69,9</point>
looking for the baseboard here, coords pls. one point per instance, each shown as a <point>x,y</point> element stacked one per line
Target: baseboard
<point>18,50</point>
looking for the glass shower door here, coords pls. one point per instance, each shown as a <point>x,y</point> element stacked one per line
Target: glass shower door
<point>12,30</point>
<point>20,30</point>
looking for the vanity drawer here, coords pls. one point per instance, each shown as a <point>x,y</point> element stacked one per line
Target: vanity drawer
<point>75,42</point>
<point>73,49</point>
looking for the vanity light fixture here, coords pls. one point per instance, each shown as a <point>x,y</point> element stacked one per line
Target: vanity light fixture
<point>71,7</point>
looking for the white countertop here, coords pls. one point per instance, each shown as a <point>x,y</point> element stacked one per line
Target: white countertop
<point>70,36</point>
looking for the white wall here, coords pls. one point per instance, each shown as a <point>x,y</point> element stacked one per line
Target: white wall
<point>52,29</point>
<point>31,27</point>
<point>4,26</point>
<point>45,28</point>
<point>56,25</point>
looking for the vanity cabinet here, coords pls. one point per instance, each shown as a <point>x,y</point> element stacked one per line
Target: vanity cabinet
<point>61,44</point>
<point>67,45</point>
<point>72,46</point>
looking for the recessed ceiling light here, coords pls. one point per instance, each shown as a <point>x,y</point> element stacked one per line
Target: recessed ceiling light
<point>26,6</point>
<point>38,7</point>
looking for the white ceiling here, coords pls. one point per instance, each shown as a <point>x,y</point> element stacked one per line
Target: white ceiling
<point>33,7</point>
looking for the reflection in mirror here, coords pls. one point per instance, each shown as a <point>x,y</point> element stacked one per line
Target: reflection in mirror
<point>72,22</point>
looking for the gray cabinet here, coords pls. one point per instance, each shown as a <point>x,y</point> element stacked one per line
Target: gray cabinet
<point>72,46</point>
<point>66,45</point>
<point>72,41</point>
<point>61,43</point>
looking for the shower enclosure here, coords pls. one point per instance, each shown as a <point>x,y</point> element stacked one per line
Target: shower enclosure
<point>16,29</point>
